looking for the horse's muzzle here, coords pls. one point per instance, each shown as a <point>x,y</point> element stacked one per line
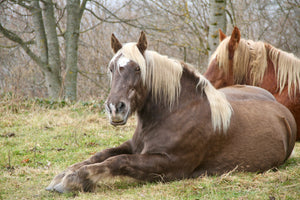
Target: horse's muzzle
<point>117,113</point>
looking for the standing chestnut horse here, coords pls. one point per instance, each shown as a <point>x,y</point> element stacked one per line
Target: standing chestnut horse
<point>185,127</point>
<point>239,61</point>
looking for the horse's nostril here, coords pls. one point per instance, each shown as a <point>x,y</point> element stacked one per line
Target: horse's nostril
<point>121,106</point>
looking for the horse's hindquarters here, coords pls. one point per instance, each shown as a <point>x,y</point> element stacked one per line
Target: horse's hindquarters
<point>261,136</point>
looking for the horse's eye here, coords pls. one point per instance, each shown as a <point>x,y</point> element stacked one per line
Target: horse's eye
<point>137,69</point>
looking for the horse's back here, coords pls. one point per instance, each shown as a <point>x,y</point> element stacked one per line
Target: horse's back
<point>243,92</point>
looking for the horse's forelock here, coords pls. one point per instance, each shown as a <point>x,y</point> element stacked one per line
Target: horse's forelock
<point>242,61</point>
<point>221,55</point>
<point>131,52</point>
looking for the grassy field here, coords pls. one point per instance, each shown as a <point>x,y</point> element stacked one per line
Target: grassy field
<point>39,138</point>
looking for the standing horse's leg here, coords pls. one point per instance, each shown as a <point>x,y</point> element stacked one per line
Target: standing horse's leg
<point>148,167</point>
<point>99,157</point>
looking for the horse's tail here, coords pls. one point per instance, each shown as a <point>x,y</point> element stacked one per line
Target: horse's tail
<point>221,109</point>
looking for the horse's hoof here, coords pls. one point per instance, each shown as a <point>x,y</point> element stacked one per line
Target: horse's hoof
<point>49,188</point>
<point>59,188</point>
<point>56,180</point>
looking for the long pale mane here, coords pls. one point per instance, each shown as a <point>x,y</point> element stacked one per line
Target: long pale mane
<point>162,75</point>
<point>251,58</point>
<point>221,109</point>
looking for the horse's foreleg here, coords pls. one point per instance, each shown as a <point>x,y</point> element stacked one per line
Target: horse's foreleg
<point>143,167</point>
<point>99,157</point>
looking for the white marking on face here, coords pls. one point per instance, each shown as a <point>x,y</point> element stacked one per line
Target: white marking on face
<point>112,108</point>
<point>123,61</point>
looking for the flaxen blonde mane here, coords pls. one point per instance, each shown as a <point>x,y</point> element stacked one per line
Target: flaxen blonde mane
<point>251,57</point>
<point>162,75</point>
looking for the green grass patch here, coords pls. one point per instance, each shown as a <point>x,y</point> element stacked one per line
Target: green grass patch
<point>38,139</point>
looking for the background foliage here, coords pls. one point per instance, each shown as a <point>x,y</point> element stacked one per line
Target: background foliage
<point>176,28</point>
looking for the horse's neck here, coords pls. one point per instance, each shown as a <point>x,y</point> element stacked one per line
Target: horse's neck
<point>154,112</point>
<point>269,80</point>
<point>155,117</point>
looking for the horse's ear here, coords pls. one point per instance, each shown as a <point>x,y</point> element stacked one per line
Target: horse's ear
<point>142,43</point>
<point>234,39</point>
<point>115,44</point>
<point>222,35</point>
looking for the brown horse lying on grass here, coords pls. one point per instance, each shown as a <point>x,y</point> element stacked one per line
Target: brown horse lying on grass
<point>185,127</point>
<point>240,61</point>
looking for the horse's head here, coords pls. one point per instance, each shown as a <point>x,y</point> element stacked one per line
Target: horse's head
<point>128,90</point>
<point>220,69</point>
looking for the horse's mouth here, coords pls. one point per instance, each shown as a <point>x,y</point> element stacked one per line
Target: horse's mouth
<point>118,123</point>
<point>119,120</point>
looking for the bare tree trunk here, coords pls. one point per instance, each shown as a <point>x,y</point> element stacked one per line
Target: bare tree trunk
<point>217,20</point>
<point>74,14</point>
<point>48,57</point>
<point>53,80</point>
<point>46,38</point>
<point>51,66</point>
<point>38,23</point>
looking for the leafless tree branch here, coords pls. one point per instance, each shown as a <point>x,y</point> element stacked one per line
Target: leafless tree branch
<point>13,37</point>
